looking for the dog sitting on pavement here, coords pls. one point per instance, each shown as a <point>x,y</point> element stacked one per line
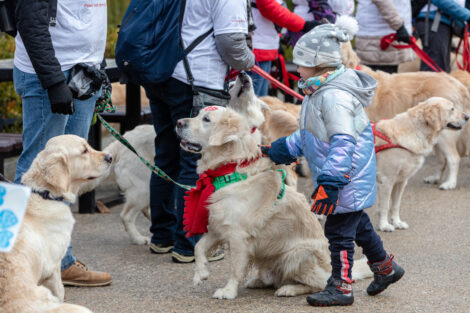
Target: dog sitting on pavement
<point>30,277</point>
<point>266,223</point>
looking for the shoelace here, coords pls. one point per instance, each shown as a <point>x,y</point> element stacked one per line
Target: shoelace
<point>81,265</point>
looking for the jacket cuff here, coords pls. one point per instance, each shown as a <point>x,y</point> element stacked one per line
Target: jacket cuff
<point>333,181</point>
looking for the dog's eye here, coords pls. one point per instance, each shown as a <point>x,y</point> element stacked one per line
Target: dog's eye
<point>85,151</point>
<point>452,109</point>
<point>206,119</point>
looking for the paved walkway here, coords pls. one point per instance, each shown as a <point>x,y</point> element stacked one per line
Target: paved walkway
<point>435,252</point>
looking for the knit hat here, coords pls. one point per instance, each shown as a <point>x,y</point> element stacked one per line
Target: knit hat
<point>321,46</point>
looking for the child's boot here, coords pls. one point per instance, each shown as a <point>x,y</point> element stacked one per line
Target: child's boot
<point>336,292</point>
<point>386,272</point>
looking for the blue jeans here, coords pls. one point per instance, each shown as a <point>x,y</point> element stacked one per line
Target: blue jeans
<point>40,124</point>
<point>342,230</point>
<point>260,84</point>
<point>170,101</point>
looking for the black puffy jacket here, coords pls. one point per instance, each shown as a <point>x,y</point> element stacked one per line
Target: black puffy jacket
<point>33,18</point>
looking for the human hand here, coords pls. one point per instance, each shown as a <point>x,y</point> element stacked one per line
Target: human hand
<point>61,99</point>
<point>309,25</point>
<point>278,152</point>
<point>325,199</point>
<point>402,34</point>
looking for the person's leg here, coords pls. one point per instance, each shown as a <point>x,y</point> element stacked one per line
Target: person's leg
<point>385,270</point>
<point>391,69</point>
<point>260,84</point>
<point>340,229</point>
<point>80,122</point>
<point>439,45</point>
<point>68,260</point>
<point>162,209</point>
<point>39,123</point>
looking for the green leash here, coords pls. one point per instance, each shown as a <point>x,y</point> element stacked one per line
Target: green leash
<point>153,167</point>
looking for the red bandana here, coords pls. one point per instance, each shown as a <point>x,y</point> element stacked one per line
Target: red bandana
<point>196,215</point>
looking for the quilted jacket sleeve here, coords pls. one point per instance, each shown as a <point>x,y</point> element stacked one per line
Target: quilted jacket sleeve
<point>453,9</point>
<point>280,15</point>
<point>294,144</point>
<point>389,13</point>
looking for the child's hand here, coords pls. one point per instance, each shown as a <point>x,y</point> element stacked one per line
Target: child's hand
<point>325,199</point>
<point>278,152</point>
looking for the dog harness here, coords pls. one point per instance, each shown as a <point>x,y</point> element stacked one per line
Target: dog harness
<point>388,145</point>
<point>196,214</point>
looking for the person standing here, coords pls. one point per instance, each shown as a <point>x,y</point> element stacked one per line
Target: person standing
<point>436,34</point>
<point>53,36</point>
<point>173,99</point>
<point>378,18</point>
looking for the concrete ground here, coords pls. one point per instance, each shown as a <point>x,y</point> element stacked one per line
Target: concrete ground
<point>435,252</point>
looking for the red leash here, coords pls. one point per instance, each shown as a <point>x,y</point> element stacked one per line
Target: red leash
<point>386,42</point>
<point>276,83</point>
<point>466,51</point>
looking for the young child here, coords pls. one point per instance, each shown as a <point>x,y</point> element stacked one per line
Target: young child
<point>335,136</point>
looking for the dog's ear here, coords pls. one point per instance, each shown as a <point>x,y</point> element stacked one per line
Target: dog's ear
<point>432,116</point>
<point>225,131</point>
<point>219,138</point>
<point>56,172</point>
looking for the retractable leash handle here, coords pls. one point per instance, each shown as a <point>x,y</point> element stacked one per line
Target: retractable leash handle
<point>277,83</point>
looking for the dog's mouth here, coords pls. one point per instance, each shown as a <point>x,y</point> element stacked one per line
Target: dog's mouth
<point>245,83</point>
<point>91,178</point>
<point>453,126</point>
<point>190,146</point>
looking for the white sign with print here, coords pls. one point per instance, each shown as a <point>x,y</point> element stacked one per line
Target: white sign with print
<point>13,202</point>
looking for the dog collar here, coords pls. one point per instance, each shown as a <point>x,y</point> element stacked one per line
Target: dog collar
<point>46,195</point>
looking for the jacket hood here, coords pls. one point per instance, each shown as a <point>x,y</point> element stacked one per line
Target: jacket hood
<point>357,83</point>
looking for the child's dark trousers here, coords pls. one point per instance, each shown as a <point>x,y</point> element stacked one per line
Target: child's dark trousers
<point>342,230</point>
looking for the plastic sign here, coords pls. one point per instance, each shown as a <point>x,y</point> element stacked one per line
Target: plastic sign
<point>13,202</point>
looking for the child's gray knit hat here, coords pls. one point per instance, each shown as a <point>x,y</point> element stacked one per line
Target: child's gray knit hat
<point>321,46</point>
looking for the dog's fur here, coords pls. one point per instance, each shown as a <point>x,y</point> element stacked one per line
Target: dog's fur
<point>397,93</point>
<point>30,280</point>
<point>280,241</point>
<point>417,130</point>
<point>133,177</point>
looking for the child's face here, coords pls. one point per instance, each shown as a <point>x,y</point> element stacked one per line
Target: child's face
<point>307,72</point>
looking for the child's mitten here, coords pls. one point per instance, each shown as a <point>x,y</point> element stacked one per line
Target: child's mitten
<point>325,199</point>
<point>278,152</point>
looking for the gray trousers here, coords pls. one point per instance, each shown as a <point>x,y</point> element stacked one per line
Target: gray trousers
<point>439,44</point>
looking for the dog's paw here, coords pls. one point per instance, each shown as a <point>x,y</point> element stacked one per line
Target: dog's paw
<point>399,224</point>
<point>286,291</point>
<point>386,227</point>
<point>448,185</point>
<point>199,276</point>
<point>140,241</point>
<point>433,179</point>
<point>225,293</point>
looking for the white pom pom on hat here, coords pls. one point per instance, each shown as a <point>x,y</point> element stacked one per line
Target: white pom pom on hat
<point>348,24</point>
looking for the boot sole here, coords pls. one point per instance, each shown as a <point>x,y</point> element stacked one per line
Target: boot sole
<point>85,284</point>
<point>395,279</point>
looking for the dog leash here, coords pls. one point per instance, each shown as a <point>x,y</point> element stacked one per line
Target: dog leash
<point>387,40</point>
<point>151,166</point>
<point>277,83</point>
<point>466,51</point>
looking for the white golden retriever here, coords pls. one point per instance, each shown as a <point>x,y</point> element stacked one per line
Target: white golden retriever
<point>133,177</point>
<point>417,131</point>
<point>30,280</point>
<point>279,240</point>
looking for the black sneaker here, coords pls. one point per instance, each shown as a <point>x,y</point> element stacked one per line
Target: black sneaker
<point>385,273</point>
<point>336,292</point>
<point>160,248</point>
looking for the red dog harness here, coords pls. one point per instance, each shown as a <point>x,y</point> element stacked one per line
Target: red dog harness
<point>388,145</point>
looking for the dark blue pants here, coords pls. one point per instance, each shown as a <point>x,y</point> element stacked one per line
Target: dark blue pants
<point>342,230</point>
<point>170,101</point>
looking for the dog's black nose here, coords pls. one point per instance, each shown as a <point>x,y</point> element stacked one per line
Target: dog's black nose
<point>108,158</point>
<point>180,124</point>
<point>466,117</point>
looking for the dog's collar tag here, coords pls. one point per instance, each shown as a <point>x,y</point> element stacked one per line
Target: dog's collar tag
<point>211,108</point>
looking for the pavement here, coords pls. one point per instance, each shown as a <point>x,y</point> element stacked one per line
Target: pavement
<point>435,252</point>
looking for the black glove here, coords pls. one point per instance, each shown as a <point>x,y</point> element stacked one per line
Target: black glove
<point>61,99</point>
<point>309,25</point>
<point>325,199</point>
<point>402,34</point>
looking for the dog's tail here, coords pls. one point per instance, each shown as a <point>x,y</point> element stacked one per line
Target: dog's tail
<point>361,269</point>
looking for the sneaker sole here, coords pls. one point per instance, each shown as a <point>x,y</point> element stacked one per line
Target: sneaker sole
<point>160,250</point>
<point>85,284</point>
<point>179,258</point>
<point>328,304</point>
<point>218,257</point>
<point>395,279</point>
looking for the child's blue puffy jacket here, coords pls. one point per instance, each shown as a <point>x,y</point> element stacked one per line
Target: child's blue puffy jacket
<point>335,136</point>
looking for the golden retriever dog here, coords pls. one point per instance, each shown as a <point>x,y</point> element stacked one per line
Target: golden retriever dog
<point>396,93</point>
<point>416,130</point>
<point>30,280</point>
<point>277,239</point>
<point>133,177</point>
